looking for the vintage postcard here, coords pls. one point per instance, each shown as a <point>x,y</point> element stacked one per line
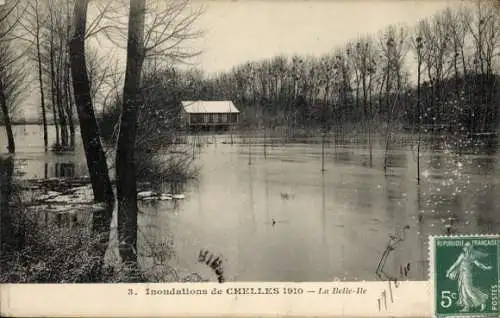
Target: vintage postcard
<point>249,158</point>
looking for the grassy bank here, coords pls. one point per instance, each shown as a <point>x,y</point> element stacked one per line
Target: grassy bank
<point>35,249</point>
<point>48,243</point>
<point>40,251</point>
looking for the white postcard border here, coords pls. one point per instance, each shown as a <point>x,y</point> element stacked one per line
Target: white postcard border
<point>409,299</point>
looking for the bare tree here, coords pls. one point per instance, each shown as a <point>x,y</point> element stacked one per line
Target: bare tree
<point>371,70</point>
<point>32,25</point>
<point>125,164</point>
<point>8,78</point>
<point>10,13</point>
<point>457,25</point>
<point>52,74</point>
<point>436,54</point>
<point>363,53</point>
<point>12,86</point>
<point>6,112</point>
<point>96,160</point>
<point>485,30</point>
<point>155,29</point>
<point>11,70</point>
<point>417,46</point>
<point>457,28</point>
<point>394,47</point>
<point>55,58</point>
<point>167,26</point>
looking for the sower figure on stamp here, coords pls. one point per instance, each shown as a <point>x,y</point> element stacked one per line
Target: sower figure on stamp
<point>462,270</point>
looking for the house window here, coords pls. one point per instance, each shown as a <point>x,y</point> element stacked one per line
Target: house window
<point>223,118</point>
<point>215,118</point>
<point>206,118</point>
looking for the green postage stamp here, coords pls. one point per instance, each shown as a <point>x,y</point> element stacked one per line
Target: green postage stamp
<point>465,273</point>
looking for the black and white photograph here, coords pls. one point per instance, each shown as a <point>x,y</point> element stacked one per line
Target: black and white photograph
<point>191,141</point>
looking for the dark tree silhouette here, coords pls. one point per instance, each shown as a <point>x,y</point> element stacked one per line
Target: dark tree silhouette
<point>96,160</point>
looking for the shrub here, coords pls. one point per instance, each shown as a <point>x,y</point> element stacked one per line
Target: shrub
<point>45,253</point>
<point>159,156</point>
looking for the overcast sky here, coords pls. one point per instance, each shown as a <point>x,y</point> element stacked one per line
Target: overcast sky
<point>238,31</point>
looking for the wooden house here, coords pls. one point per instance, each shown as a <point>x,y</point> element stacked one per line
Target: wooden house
<point>209,114</point>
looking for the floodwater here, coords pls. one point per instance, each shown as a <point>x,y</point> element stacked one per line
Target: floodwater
<point>327,225</point>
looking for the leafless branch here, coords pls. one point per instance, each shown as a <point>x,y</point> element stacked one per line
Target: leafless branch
<point>169,25</point>
<point>13,75</point>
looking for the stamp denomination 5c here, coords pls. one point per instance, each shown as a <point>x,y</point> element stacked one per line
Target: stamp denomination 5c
<point>465,272</point>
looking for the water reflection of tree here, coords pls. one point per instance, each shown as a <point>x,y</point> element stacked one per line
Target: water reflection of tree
<point>323,208</point>
<point>64,170</point>
<point>266,185</point>
<point>421,235</point>
<point>396,213</point>
<point>251,193</point>
<point>396,159</point>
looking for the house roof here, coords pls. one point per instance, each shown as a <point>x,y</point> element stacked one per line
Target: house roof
<point>202,106</point>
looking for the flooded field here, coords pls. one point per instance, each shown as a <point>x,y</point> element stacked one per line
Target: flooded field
<point>273,215</point>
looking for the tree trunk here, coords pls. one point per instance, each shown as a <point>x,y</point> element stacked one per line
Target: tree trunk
<point>11,147</point>
<point>67,84</point>
<point>96,159</point>
<point>61,112</point>
<point>53,93</point>
<point>381,97</point>
<point>69,106</point>
<point>42,96</point>
<point>419,112</point>
<point>365,94</point>
<point>370,119</point>
<point>125,162</point>
<point>59,96</point>
<point>56,124</point>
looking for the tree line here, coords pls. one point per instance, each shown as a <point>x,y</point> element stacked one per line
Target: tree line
<point>441,72</point>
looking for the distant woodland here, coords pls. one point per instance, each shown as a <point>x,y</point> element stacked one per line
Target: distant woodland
<point>442,72</point>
